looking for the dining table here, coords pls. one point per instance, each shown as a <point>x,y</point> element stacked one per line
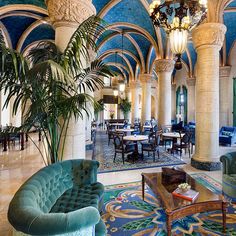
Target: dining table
<point>135,139</point>
<point>174,136</point>
<point>117,125</point>
<point>124,130</point>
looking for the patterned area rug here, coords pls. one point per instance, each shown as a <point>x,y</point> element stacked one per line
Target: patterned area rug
<point>105,154</point>
<point>125,214</point>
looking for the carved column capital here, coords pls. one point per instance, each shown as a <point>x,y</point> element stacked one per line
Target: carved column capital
<point>225,72</point>
<point>67,12</point>
<point>209,34</point>
<point>165,65</point>
<point>145,78</point>
<point>134,84</point>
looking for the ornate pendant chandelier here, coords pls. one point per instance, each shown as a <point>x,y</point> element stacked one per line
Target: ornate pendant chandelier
<point>178,18</point>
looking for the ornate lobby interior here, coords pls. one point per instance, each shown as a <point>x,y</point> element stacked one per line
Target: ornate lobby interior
<point>107,107</point>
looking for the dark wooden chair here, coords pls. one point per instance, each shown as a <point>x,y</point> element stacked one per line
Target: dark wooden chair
<point>165,140</point>
<point>153,144</point>
<point>122,148</point>
<point>184,144</point>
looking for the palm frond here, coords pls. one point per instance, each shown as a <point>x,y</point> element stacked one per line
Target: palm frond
<point>84,37</point>
<point>45,50</point>
<point>92,77</point>
<point>2,41</point>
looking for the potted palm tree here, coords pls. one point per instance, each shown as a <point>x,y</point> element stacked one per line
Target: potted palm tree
<point>99,107</point>
<point>125,107</point>
<point>50,86</point>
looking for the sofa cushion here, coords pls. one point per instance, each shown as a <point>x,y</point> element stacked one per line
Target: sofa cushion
<point>230,179</point>
<point>227,133</point>
<point>79,197</point>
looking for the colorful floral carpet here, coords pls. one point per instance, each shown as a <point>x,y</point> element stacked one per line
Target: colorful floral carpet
<point>104,153</point>
<point>125,214</point>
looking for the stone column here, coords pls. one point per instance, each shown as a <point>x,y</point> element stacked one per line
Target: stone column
<point>208,39</point>
<point>164,69</point>
<point>224,95</point>
<point>66,16</point>
<point>173,101</point>
<point>146,83</point>
<point>191,99</point>
<point>134,87</point>
<point>129,97</point>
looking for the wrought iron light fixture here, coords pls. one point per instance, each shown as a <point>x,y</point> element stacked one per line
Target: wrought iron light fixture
<point>178,18</point>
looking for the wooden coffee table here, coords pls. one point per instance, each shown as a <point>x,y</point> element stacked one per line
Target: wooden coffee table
<point>176,208</point>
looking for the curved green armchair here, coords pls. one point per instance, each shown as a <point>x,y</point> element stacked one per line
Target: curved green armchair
<point>60,199</point>
<point>229,175</point>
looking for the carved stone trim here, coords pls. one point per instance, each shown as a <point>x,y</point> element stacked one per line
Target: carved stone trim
<point>145,78</point>
<point>191,82</point>
<point>210,34</point>
<point>225,72</point>
<point>134,84</point>
<point>164,65</point>
<point>74,11</point>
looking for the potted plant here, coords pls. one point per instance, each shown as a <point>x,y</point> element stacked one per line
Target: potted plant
<point>50,86</point>
<point>125,107</point>
<point>98,107</point>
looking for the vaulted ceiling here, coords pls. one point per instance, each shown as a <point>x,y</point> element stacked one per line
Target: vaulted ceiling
<point>128,25</point>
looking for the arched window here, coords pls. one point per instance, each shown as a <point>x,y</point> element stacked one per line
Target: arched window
<point>182,104</point>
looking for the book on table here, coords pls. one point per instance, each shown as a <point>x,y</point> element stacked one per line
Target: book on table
<point>191,195</point>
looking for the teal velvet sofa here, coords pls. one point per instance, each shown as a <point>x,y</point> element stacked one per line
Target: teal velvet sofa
<point>229,175</point>
<point>61,199</point>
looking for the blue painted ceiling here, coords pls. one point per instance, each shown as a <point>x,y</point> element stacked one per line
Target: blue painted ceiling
<point>129,17</point>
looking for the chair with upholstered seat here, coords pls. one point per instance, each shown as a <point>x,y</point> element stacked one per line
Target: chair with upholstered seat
<point>122,148</point>
<point>152,145</point>
<point>165,140</point>
<point>184,144</point>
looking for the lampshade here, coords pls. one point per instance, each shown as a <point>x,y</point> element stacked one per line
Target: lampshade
<point>178,41</point>
<point>122,86</point>
<point>115,92</point>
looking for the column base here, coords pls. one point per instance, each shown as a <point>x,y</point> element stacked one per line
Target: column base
<point>205,165</point>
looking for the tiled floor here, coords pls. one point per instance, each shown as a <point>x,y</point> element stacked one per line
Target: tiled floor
<point>16,166</point>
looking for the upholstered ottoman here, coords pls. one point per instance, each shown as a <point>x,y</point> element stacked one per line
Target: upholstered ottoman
<point>60,199</point>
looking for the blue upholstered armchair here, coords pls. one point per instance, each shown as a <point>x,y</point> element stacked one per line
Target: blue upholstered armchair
<point>229,174</point>
<point>61,199</point>
<point>227,135</point>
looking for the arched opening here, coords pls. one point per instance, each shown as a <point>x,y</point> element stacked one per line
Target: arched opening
<point>182,104</point>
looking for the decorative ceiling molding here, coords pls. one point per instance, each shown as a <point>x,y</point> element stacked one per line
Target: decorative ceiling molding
<point>107,39</point>
<point>230,10</point>
<point>113,51</point>
<point>121,67</point>
<point>139,29</point>
<point>108,7</point>
<point>25,14</point>
<point>27,33</point>
<point>104,56</point>
<point>148,61</point>
<point>6,35</point>
<point>113,3</point>
<point>23,7</point>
